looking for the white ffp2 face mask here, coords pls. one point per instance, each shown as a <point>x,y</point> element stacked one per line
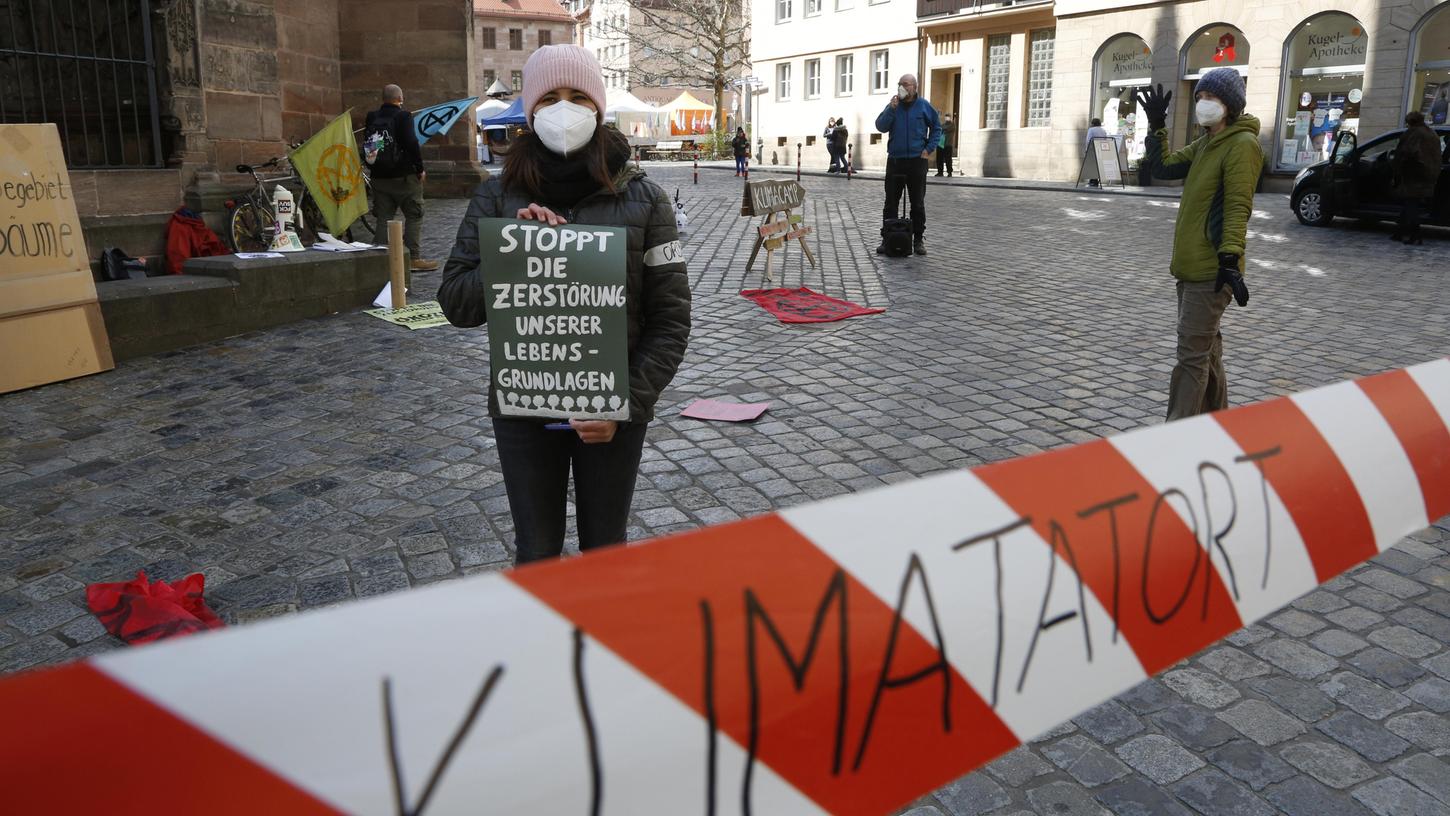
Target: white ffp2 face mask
<point>1209,113</point>
<point>564,127</point>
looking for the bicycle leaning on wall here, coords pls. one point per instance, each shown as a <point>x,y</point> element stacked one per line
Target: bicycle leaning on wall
<point>253,219</point>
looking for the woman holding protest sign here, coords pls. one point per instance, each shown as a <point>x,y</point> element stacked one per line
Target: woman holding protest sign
<point>568,168</point>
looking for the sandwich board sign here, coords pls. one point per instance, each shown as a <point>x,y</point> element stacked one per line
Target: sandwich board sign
<point>776,201</point>
<point>50,323</point>
<point>1101,162</point>
<point>558,329</point>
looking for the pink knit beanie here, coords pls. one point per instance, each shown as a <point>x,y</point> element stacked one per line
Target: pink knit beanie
<point>562,66</point>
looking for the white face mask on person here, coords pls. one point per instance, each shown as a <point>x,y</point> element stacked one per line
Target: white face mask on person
<point>564,126</point>
<point>1209,112</point>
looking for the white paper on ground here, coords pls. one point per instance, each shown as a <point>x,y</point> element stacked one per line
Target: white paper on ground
<point>384,300</point>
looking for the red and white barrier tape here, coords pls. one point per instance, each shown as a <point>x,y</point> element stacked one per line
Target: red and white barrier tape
<point>843,657</point>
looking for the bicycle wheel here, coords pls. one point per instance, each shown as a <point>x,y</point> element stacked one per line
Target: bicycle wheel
<point>251,228</point>
<point>313,224</point>
<point>364,223</point>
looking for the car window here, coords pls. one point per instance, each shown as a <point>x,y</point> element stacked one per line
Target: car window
<point>1376,152</point>
<point>1445,153</point>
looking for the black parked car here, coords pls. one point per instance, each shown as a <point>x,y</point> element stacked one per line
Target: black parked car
<point>1357,182</point>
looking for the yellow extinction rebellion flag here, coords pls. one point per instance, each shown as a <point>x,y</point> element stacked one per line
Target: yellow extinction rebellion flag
<point>328,164</point>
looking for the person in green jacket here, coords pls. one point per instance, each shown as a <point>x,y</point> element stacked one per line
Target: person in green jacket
<point>1220,171</point>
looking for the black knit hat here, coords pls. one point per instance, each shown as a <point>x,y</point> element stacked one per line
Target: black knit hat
<point>1226,84</point>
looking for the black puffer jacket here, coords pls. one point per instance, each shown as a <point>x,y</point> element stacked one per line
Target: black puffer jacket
<point>657,293</point>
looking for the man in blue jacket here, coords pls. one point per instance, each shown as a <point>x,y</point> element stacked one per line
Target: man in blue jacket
<point>914,128</point>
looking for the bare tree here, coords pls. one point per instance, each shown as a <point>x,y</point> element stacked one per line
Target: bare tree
<point>696,43</point>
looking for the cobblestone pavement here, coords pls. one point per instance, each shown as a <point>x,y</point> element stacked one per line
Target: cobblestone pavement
<point>345,457</point>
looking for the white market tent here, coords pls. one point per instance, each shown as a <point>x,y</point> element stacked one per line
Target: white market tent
<point>489,108</point>
<point>635,117</point>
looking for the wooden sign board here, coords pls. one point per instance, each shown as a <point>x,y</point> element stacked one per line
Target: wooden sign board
<point>772,196</point>
<point>775,200</point>
<point>50,323</point>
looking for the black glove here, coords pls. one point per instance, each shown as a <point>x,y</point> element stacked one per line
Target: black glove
<point>1228,273</point>
<point>1154,105</point>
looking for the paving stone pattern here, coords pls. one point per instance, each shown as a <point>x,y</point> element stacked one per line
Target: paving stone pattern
<point>345,457</point>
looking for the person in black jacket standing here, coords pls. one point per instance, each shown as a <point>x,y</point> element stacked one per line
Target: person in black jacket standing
<point>569,167</point>
<point>839,138</point>
<point>396,171</point>
<point>740,145</point>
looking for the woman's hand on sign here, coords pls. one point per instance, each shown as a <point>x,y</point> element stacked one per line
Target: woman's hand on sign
<point>594,431</point>
<point>538,212</point>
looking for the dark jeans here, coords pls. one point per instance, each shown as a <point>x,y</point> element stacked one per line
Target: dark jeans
<point>536,464</point>
<point>911,175</point>
<point>837,160</point>
<point>740,164</point>
<point>943,157</point>
<point>1409,218</point>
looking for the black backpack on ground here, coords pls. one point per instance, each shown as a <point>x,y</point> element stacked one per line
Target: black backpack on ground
<point>896,232</point>
<point>380,146</point>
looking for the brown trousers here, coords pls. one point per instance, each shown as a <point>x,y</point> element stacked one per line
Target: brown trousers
<point>1198,385</point>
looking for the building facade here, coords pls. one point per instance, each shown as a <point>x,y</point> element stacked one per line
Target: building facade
<point>1025,78</point>
<point>158,101</point>
<point>804,83</point>
<point>508,31</point>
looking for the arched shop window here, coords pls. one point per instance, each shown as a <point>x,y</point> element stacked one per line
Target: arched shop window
<point>1323,85</point>
<point>1124,65</point>
<point>1217,46</point>
<point>1430,83</point>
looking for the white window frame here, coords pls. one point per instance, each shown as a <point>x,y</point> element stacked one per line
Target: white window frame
<point>845,74</point>
<point>815,7</point>
<point>783,10</point>
<point>813,82</point>
<point>845,5</point>
<point>880,77</point>
<point>782,81</point>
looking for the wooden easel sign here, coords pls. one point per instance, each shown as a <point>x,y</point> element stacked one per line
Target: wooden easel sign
<point>51,327</point>
<point>1101,162</point>
<point>776,201</point>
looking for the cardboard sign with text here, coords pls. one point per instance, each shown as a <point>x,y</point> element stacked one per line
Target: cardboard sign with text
<point>50,324</point>
<point>557,324</point>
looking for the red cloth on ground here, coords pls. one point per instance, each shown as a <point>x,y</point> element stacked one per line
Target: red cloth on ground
<point>142,610</point>
<point>187,236</point>
<point>805,306</point>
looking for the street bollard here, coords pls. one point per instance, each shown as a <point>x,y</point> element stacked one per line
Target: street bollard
<point>697,167</point>
<point>797,161</point>
<point>395,261</point>
<point>848,162</point>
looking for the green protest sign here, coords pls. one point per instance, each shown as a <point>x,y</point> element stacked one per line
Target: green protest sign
<point>558,332</point>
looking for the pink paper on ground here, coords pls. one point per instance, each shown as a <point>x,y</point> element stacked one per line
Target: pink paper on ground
<point>726,411</point>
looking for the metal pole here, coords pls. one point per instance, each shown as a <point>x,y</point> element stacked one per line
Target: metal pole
<point>797,161</point>
<point>697,167</point>
<point>848,161</point>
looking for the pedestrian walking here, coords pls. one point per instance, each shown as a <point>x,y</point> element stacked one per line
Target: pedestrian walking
<point>839,139</point>
<point>1220,171</point>
<point>830,139</point>
<point>946,145</point>
<point>740,145</point>
<point>1095,131</point>
<point>568,167</point>
<point>914,128</point>
<point>395,168</point>
<point>1416,170</point>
